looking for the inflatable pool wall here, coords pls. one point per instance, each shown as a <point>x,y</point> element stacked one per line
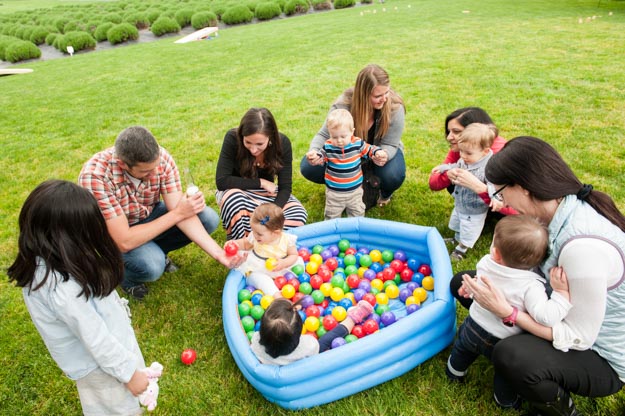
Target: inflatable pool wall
<point>369,361</point>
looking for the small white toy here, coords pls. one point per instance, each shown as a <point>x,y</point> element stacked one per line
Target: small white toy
<point>149,396</point>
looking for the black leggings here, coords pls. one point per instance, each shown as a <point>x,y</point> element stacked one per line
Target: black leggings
<point>535,369</point>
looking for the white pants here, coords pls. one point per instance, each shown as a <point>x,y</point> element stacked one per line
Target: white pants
<point>101,394</point>
<point>468,227</point>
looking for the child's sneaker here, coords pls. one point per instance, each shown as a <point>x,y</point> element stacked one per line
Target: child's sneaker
<point>359,312</point>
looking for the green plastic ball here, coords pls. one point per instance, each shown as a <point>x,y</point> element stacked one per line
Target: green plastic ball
<point>351,270</point>
<point>250,335</point>
<point>321,331</point>
<point>317,296</point>
<point>351,338</point>
<point>257,312</point>
<point>305,288</point>
<point>349,260</point>
<point>337,281</point>
<point>387,256</point>
<point>248,323</point>
<point>380,309</point>
<point>365,260</point>
<point>244,309</point>
<point>343,245</point>
<point>298,269</point>
<point>244,294</point>
<point>317,249</point>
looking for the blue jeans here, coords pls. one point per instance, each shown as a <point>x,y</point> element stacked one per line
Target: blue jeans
<point>473,341</point>
<point>146,263</point>
<point>391,175</point>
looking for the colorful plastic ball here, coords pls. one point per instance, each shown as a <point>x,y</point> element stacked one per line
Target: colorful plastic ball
<point>244,294</point>
<point>311,323</point>
<point>392,291</point>
<point>306,288</point>
<point>358,294</point>
<point>353,280</point>
<point>376,267</point>
<point>304,253</point>
<point>346,303</point>
<point>413,263</point>
<point>361,271</point>
<point>329,322</point>
<point>350,338</point>
<point>351,251</point>
<point>388,318</point>
<point>369,274</point>
<point>428,283</point>
<point>400,255</point>
<point>244,309</point>
<point>316,258</point>
<point>270,263</point>
<point>295,283</point>
<point>231,248</point>
<point>288,291</point>
<point>290,275</point>
<point>350,296</point>
<point>411,286</point>
<point>337,281</point>
<point>338,342</point>
<point>280,281</point>
<point>411,300</point>
<point>425,270</point>
<point>297,297</point>
<point>188,356</point>
<point>417,278</point>
<point>312,267</point>
<point>324,303</point>
<point>387,256</point>
<point>351,269</point>
<point>349,260</point>
<point>248,323</point>
<point>358,331</point>
<point>339,313</point>
<point>388,283</point>
<point>380,309</point>
<point>306,301</point>
<point>312,310</point>
<point>406,274</point>
<point>421,294</point>
<point>365,260</point>
<point>388,273</point>
<point>326,254</point>
<point>256,297</point>
<point>337,294</point>
<point>321,331</point>
<point>376,256</point>
<point>298,269</point>
<point>374,290</point>
<point>328,310</point>
<point>365,284</point>
<point>404,294</point>
<point>370,326</point>
<point>398,266</point>
<point>317,248</point>
<point>315,281</point>
<point>317,296</point>
<point>334,249</point>
<point>377,284</point>
<point>302,315</point>
<point>257,312</point>
<point>326,288</point>
<point>265,301</point>
<point>412,308</point>
<point>370,297</point>
<point>304,278</point>
<point>332,263</point>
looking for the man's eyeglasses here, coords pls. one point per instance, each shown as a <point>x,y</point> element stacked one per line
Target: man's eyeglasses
<point>497,194</point>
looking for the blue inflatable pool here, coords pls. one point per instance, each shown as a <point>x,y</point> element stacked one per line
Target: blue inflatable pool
<point>369,361</point>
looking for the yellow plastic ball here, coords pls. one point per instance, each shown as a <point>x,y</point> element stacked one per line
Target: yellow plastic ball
<point>350,296</point>
<point>265,301</point>
<point>376,256</point>
<point>311,323</point>
<point>428,283</point>
<point>288,291</point>
<point>381,298</point>
<point>316,258</point>
<point>270,263</point>
<point>312,267</point>
<point>377,283</point>
<point>326,288</point>
<point>411,300</point>
<point>420,293</point>
<point>362,270</point>
<point>392,291</point>
<point>336,294</point>
<point>339,313</point>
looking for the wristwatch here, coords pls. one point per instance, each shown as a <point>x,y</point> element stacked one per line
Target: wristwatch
<point>511,319</point>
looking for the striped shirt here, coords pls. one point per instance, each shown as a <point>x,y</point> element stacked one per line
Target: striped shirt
<point>343,172</point>
<point>117,194</point>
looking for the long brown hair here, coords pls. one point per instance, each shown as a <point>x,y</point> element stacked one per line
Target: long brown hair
<point>358,99</point>
<point>259,120</point>
<point>537,167</point>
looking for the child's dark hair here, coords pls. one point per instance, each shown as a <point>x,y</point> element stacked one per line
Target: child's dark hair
<point>270,215</point>
<point>281,327</point>
<point>62,228</point>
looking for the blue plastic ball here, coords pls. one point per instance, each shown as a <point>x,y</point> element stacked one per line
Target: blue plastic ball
<point>304,278</point>
<point>413,264</point>
<point>256,298</point>
<point>376,267</point>
<point>346,303</point>
<point>417,278</point>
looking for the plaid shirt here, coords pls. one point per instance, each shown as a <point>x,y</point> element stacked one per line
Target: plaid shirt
<point>116,193</point>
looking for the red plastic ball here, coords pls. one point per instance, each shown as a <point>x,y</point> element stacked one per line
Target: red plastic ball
<point>358,331</point>
<point>297,296</point>
<point>350,250</point>
<point>329,322</point>
<point>406,274</point>
<point>295,283</point>
<point>304,254</point>
<point>231,248</point>
<point>398,265</point>
<point>388,273</point>
<point>425,270</point>
<point>188,356</point>
<point>313,310</point>
<point>370,297</point>
<point>332,263</point>
<point>353,280</point>
<point>316,281</point>
<point>280,281</point>
<point>325,273</point>
<point>324,304</point>
<point>370,326</point>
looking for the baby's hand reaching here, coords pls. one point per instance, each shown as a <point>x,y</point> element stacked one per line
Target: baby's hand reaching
<point>380,157</point>
<point>559,282</point>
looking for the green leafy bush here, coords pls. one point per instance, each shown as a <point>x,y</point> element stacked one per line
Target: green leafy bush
<point>251,4</point>
<point>366,1</point>
<point>51,37</point>
<point>268,10</point>
<point>112,17</point>
<point>38,35</point>
<point>237,14</point>
<point>101,32</point>
<point>4,42</point>
<point>296,7</point>
<point>342,4</point>
<point>21,50</point>
<point>121,33</point>
<point>321,5</point>
<point>203,19</point>
<point>219,8</point>
<point>138,19</point>
<point>165,25</point>
<point>183,17</point>
<point>60,23</point>
<point>74,26</point>
<point>23,32</point>
<point>77,40</point>
<point>153,14</point>
<point>10,29</point>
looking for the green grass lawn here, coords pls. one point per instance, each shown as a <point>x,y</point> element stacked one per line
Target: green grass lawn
<point>532,65</point>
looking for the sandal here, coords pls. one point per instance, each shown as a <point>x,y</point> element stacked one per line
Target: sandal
<point>382,202</point>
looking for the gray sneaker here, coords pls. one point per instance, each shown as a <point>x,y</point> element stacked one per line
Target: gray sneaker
<point>170,267</point>
<point>138,292</point>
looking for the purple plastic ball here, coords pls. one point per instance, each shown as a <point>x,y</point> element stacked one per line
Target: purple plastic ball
<point>326,254</point>
<point>412,308</point>
<point>369,274</point>
<point>334,249</point>
<point>363,250</point>
<point>388,318</point>
<point>250,288</point>
<point>307,301</point>
<point>365,285</point>
<point>338,342</point>
<point>405,293</point>
<point>358,294</point>
<point>290,275</point>
<point>375,317</point>
<point>400,255</point>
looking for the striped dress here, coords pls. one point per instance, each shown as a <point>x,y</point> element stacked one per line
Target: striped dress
<point>238,197</point>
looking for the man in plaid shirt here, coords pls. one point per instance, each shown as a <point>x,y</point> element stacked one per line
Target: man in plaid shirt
<point>128,181</point>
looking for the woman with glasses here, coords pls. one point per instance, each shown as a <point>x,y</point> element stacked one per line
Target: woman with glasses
<point>378,114</point>
<point>585,353</point>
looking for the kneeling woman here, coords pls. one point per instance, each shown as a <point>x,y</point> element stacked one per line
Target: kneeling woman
<point>252,157</point>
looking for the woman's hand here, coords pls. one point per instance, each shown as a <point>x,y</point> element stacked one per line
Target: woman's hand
<point>380,158</point>
<point>138,382</point>
<point>268,186</point>
<point>466,179</point>
<point>496,205</point>
<point>487,295</point>
<point>314,158</point>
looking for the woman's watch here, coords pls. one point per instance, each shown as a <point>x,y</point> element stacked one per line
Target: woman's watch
<point>511,319</point>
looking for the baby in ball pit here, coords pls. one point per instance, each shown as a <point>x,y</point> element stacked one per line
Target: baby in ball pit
<point>280,340</point>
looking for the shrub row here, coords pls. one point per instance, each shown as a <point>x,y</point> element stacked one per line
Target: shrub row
<point>14,50</point>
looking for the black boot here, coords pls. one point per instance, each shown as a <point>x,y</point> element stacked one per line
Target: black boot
<point>562,406</point>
